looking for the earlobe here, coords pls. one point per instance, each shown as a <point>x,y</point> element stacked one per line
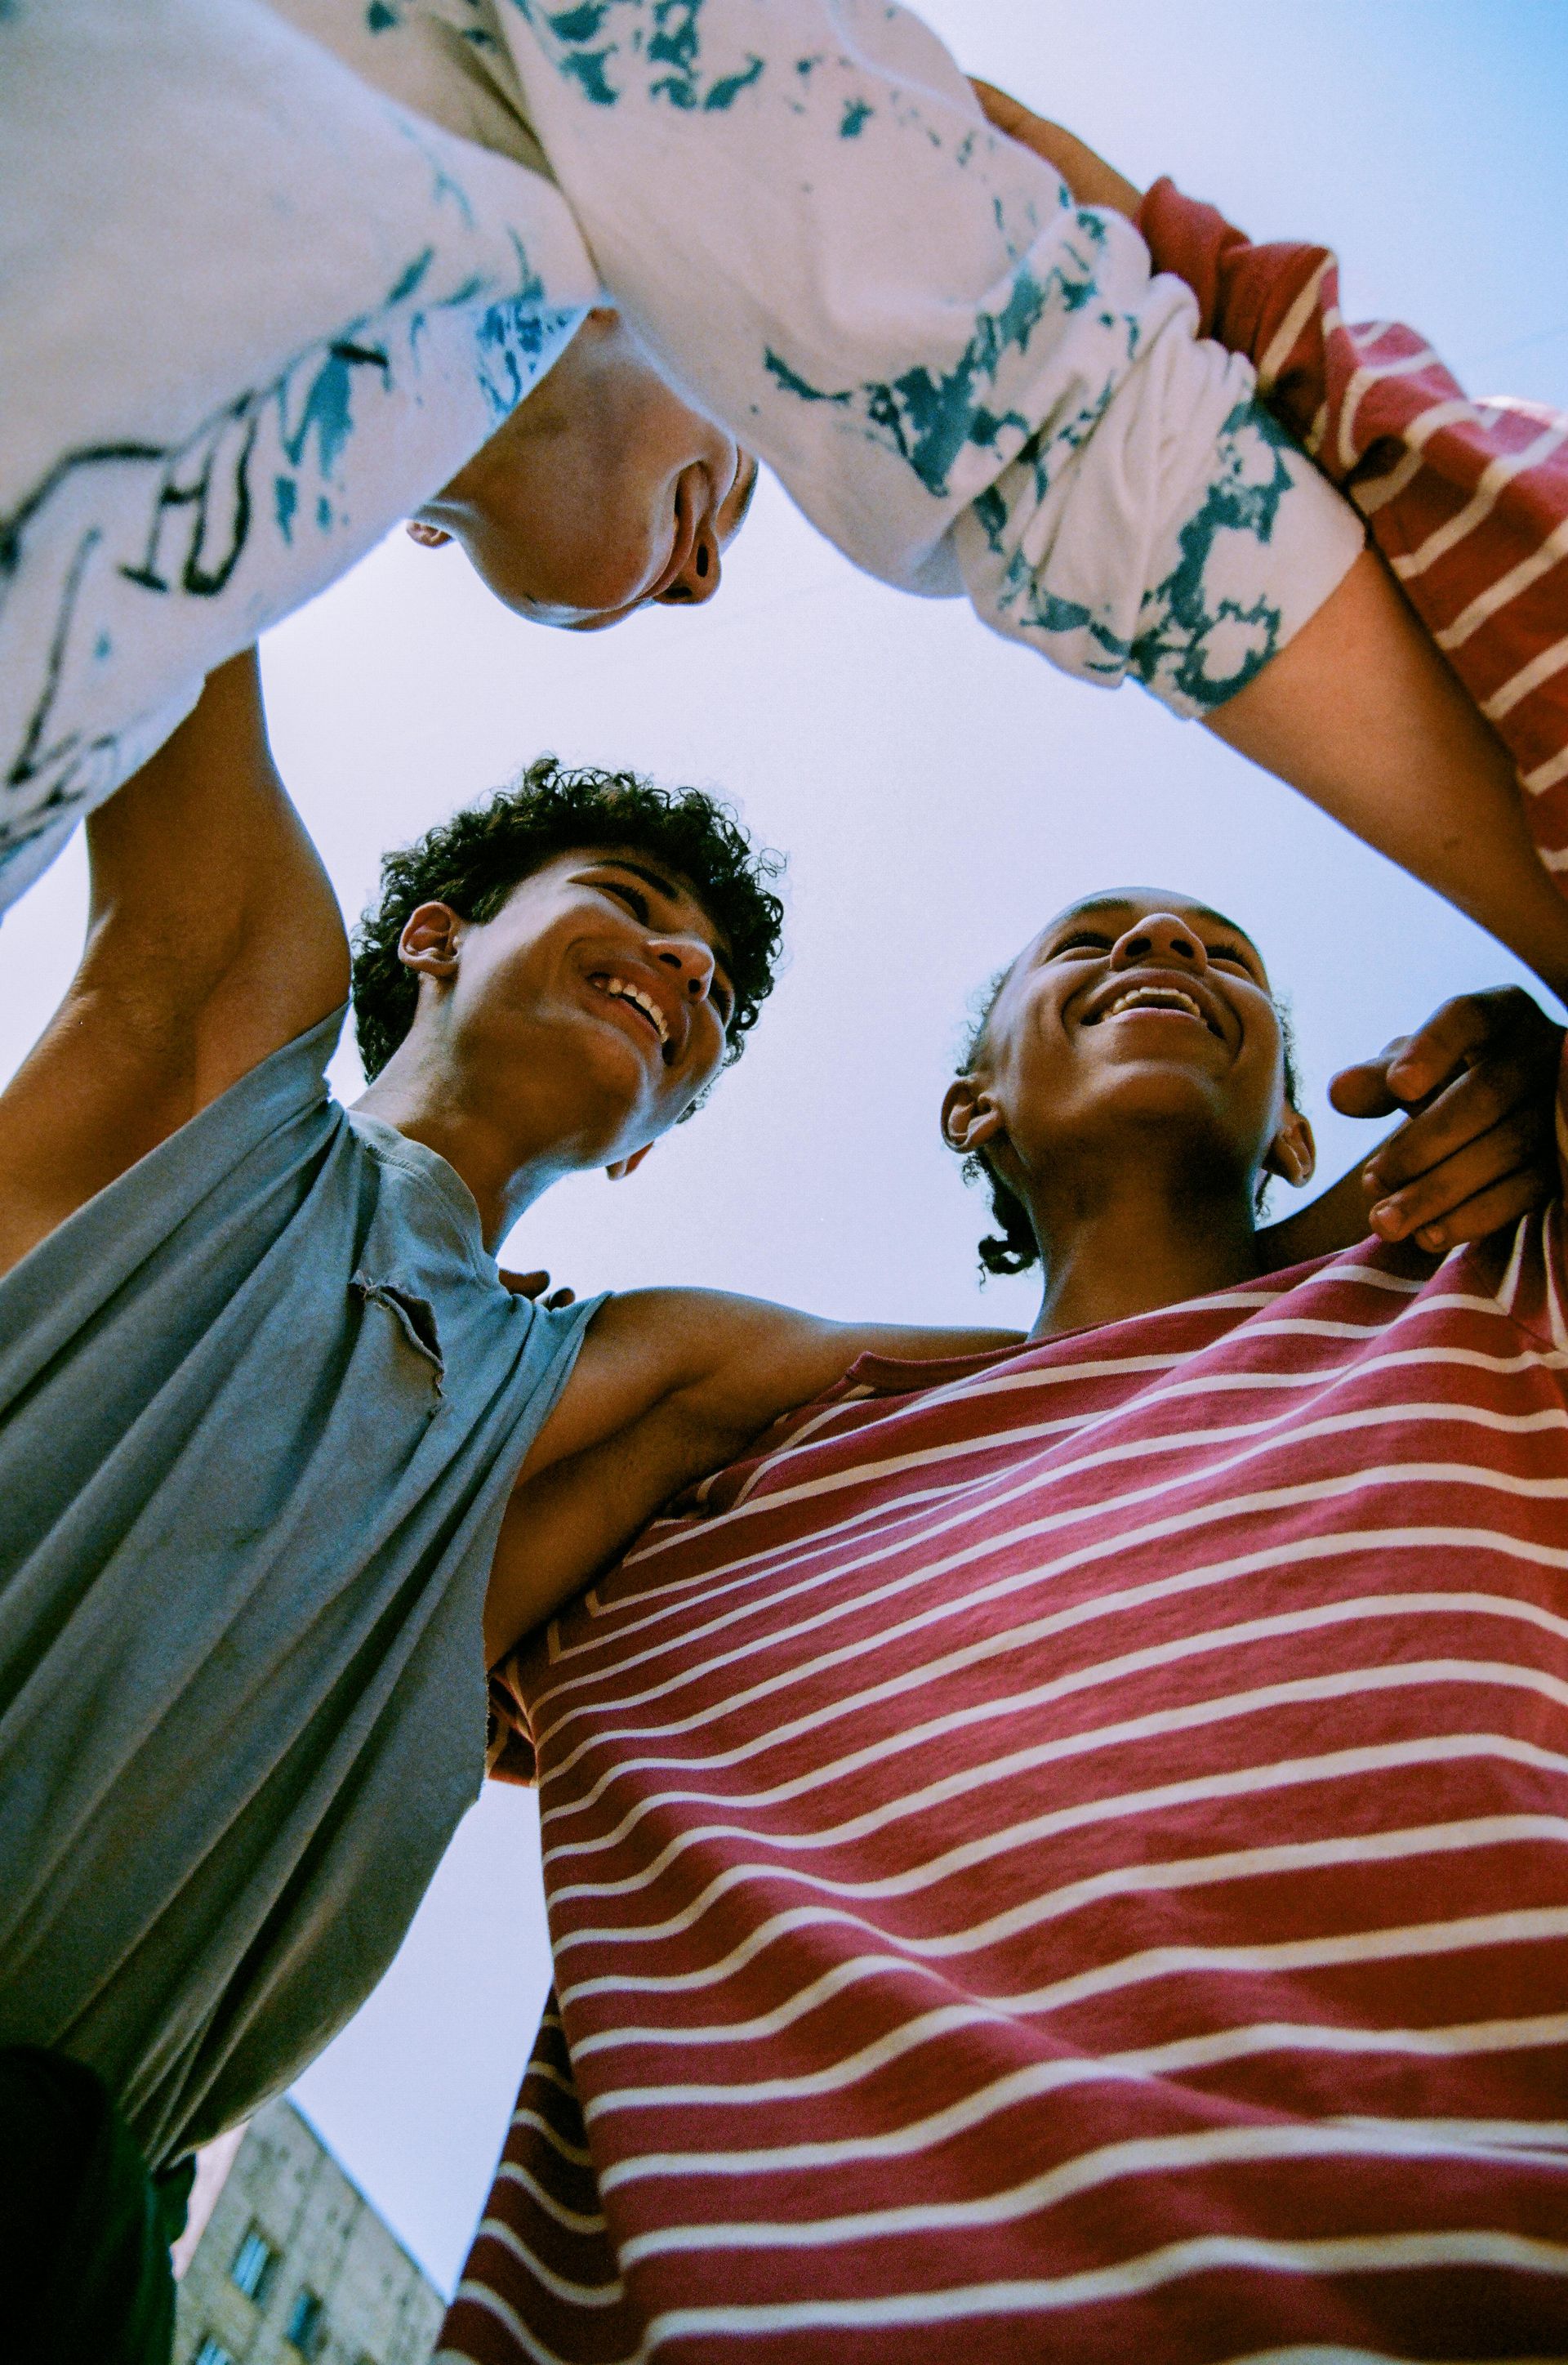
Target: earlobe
<point>1293,1154</point>
<point>429,537</point>
<point>626,1166</point>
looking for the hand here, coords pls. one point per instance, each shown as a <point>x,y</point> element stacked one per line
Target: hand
<point>534,1284</point>
<point>1480,1079</point>
<point>1089,180</point>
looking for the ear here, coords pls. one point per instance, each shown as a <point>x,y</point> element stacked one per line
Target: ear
<point>625,1166</point>
<point>970,1116</point>
<point>429,943</point>
<point>1293,1153</point>
<point>429,537</point>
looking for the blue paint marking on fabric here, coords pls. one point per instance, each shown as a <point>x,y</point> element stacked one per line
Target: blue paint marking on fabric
<point>102,647</point>
<point>928,420</point>
<point>286,500</point>
<point>405,285</point>
<point>791,382</point>
<point>596,42</point>
<point>382,16</point>
<point>1185,642</point>
<point>728,88</point>
<point>324,519</point>
<point>328,407</point>
<point>855,114</point>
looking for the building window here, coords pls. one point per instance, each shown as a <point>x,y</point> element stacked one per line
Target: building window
<point>255,2263</point>
<point>306,2325</point>
<point>211,2352</point>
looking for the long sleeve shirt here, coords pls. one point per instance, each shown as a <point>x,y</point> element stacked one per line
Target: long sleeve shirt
<point>261,300</point>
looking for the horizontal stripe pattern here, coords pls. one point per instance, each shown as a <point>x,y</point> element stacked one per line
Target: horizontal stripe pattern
<point>1467,500</point>
<point>1069,1848</point>
<point>1073,1846</point>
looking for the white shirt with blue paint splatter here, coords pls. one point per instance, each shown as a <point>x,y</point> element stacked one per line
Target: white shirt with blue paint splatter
<point>283,302</point>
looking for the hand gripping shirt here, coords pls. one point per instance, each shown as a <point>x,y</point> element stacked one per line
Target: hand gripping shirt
<point>261,1402</point>
<point>258,301</point>
<point>1072,1850</point>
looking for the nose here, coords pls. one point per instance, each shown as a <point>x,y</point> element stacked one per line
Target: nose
<point>1162,938</point>
<point>693,961</point>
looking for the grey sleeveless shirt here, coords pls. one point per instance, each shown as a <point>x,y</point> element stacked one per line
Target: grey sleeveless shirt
<point>261,1402</point>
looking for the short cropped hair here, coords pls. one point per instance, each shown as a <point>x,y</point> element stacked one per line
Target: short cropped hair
<point>474,861</point>
<point>1013,1248</point>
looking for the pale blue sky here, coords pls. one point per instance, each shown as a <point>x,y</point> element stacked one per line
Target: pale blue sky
<point>939,794</point>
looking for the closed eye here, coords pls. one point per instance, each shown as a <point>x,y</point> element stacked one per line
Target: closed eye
<point>1232,954</point>
<point>634,901</point>
<point>1086,940</point>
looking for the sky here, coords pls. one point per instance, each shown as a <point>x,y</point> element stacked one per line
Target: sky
<point>939,794</point>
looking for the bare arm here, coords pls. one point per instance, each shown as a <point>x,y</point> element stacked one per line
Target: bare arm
<point>213,937</point>
<point>671,1384</point>
<point>1359,712</point>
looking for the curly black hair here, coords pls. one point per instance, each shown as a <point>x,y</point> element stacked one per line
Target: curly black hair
<point>1013,1248</point>
<point>474,861</point>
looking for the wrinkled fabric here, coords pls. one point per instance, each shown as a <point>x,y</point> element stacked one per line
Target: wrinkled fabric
<point>261,1402</point>
<point>258,301</point>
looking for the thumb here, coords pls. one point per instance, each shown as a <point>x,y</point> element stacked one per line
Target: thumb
<point>1363,1089</point>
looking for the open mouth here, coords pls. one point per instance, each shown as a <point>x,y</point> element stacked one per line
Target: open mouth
<point>1170,999</point>
<point>637,998</point>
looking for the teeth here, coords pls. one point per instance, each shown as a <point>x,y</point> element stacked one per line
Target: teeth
<point>618,987</point>
<point>1155,997</point>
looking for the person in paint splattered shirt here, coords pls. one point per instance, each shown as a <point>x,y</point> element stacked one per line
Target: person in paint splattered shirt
<point>261,300</point>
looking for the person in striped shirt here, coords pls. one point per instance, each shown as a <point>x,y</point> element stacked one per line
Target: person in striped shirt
<point>1069,1847</point>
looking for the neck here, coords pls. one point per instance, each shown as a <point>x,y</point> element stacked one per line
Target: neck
<point>420,1092</point>
<point>1133,1237</point>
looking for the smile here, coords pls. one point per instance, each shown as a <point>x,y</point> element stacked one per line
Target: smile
<point>620,990</point>
<point>1171,998</point>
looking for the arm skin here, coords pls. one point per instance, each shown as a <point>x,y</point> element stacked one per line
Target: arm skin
<point>213,939</point>
<point>671,1384</point>
<point>1359,712</point>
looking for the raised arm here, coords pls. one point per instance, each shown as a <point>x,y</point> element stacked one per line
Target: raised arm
<point>1359,712</point>
<point>671,1384</point>
<point>213,939</point>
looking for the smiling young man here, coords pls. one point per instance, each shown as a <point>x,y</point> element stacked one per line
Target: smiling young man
<point>264,1398</point>
<point>1066,1845</point>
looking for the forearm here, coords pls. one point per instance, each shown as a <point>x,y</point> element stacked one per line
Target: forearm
<point>671,1385</point>
<point>1362,715</point>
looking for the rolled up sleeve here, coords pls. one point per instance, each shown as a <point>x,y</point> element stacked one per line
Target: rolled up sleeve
<point>968,383</point>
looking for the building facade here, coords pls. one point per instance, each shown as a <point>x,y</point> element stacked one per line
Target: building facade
<point>293,2263</point>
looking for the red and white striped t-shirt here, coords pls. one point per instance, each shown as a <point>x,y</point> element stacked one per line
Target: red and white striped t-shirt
<point>1066,1851</point>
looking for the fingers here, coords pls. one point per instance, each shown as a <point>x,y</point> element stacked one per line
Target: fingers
<point>1474,1108</point>
<point>1363,1090</point>
<point>1471,1026</point>
<point>1514,1156</point>
<point>534,1284</point>
<point>1089,180</point>
<point>1489,1211</point>
<point>525,1284</point>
